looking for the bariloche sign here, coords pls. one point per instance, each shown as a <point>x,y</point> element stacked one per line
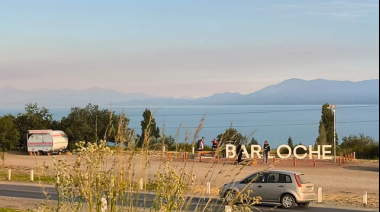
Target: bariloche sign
<point>256,149</point>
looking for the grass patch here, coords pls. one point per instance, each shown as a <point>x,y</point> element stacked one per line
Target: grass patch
<point>16,177</point>
<point>9,210</point>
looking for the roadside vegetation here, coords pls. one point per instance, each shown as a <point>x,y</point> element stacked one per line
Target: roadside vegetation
<point>106,177</point>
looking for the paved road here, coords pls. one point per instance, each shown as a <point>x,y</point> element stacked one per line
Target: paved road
<point>34,192</point>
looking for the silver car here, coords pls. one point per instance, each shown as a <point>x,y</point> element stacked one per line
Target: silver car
<point>285,187</point>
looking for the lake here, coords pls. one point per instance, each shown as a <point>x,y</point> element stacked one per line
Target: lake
<point>274,123</point>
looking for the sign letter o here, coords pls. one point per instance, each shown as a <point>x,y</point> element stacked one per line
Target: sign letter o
<point>279,151</point>
<point>295,152</point>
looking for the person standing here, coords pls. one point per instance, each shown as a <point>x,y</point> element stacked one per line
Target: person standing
<point>266,151</point>
<point>239,153</point>
<point>201,144</point>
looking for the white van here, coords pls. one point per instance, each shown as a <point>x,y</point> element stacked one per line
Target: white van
<point>47,141</point>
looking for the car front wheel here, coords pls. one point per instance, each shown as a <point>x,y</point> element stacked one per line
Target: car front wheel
<point>303,205</point>
<point>230,196</point>
<point>288,201</point>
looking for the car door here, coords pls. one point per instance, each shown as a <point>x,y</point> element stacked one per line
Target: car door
<point>258,185</point>
<point>273,187</point>
<point>246,184</point>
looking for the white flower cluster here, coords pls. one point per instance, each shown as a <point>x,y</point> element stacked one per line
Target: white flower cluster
<point>103,205</point>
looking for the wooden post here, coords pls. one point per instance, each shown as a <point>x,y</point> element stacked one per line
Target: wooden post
<point>217,157</point>
<point>274,160</point>
<point>294,161</point>
<point>177,155</point>
<point>169,156</point>
<point>200,157</point>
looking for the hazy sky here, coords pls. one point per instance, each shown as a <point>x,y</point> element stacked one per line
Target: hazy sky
<point>185,48</point>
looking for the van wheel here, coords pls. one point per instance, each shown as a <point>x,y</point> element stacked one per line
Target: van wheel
<point>288,201</point>
<point>303,205</point>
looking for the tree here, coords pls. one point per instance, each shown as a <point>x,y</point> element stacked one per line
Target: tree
<point>90,124</point>
<point>149,128</point>
<point>231,135</point>
<point>9,135</point>
<point>353,140</point>
<point>169,143</point>
<point>327,120</point>
<point>253,141</point>
<point>33,118</point>
<point>364,146</point>
<point>290,143</point>
<point>322,138</point>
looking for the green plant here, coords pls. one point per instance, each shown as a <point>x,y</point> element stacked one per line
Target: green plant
<point>364,146</point>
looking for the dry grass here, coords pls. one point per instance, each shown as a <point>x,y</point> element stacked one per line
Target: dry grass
<point>348,199</point>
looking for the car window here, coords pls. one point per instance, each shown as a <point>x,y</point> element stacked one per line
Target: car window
<point>256,178</point>
<point>260,179</point>
<point>273,178</point>
<point>286,178</point>
<point>249,179</point>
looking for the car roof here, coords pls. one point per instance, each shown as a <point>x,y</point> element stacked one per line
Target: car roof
<point>284,172</point>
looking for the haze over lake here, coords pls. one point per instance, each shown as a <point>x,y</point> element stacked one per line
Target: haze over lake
<point>274,123</point>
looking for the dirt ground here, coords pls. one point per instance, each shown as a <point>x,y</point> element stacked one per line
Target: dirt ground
<point>342,184</point>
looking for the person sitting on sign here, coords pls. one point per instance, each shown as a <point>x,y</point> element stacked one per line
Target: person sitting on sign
<point>215,144</point>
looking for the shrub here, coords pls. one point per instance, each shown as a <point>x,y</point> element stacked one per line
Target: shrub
<point>364,146</point>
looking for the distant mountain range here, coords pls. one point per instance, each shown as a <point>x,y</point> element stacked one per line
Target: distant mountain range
<point>288,92</point>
